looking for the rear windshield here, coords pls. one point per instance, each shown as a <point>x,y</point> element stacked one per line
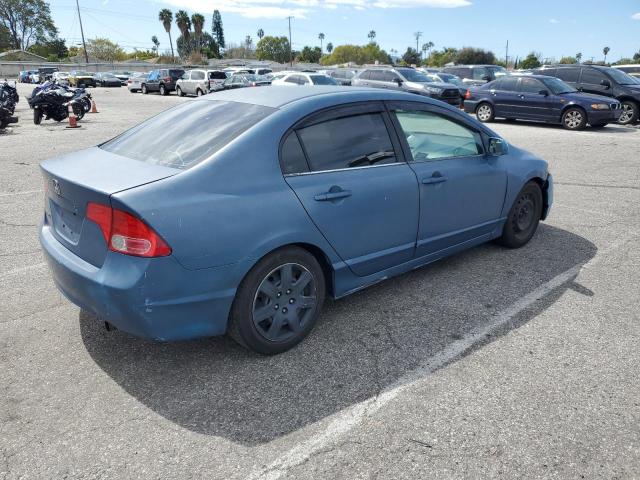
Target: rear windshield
<point>322,80</point>
<point>187,134</point>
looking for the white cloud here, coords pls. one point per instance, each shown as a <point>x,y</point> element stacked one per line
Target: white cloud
<point>554,20</point>
<point>302,8</point>
<point>636,16</point>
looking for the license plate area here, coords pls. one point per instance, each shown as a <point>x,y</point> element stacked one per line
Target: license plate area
<point>67,223</point>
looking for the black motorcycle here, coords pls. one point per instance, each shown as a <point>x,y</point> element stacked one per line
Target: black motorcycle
<point>8,99</point>
<point>53,103</point>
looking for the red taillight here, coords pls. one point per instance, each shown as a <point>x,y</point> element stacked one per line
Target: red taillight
<point>125,233</point>
<point>467,95</point>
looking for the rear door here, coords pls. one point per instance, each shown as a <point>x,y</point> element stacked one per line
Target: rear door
<point>346,167</point>
<point>462,190</point>
<point>570,75</point>
<point>504,95</point>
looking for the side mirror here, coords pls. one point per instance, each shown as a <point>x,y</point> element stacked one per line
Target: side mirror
<point>498,147</point>
<point>606,84</point>
<point>398,81</point>
<point>544,93</point>
<point>486,78</point>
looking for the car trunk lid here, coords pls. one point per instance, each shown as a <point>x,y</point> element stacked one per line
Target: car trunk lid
<point>92,175</point>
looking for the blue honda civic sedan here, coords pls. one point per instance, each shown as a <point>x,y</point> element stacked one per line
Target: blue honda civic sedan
<point>540,98</point>
<point>239,213</point>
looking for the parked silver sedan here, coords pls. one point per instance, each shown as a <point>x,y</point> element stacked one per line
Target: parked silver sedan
<point>134,84</point>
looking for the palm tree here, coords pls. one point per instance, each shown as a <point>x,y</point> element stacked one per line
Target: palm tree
<point>184,23</point>
<point>321,37</point>
<point>198,24</point>
<point>260,33</point>
<point>579,57</point>
<point>156,44</point>
<point>329,47</point>
<point>166,17</point>
<point>606,51</point>
<point>371,35</point>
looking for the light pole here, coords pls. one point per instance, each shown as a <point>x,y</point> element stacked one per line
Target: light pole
<point>86,57</point>
<point>290,56</point>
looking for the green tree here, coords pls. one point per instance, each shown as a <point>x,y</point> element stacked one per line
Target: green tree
<point>321,38</point>
<point>207,46</point>
<point>273,48</point>
<point>606,51</point>
<point>531,61</point>
<point>369,53</point>
<point>329,47</point>
<point>636,56</point>
<point>27,21</point>
<point>439,58</point>
<point>54,48</point>
<point>411,56</point>
<point>156,44</point>
<point>475,56</point>
<point>568,60</point>
<point>310,55</point>
<point>105,50</point>
<point>166,17</point>
<point>260,34</point>
<point>183,22</point>
<point>198,24</point>
<point>371,35</point>
<point>217,30</point>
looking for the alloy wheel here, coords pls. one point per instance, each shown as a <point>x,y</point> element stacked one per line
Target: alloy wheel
<point>484,112</point>
<point>627,113</point>
<point>573,119</point>
<point>284,302</point>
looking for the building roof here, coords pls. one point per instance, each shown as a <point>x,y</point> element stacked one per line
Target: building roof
<point>20,55</point>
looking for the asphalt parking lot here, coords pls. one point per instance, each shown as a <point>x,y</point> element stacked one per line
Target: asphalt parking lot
<point>493,363</point>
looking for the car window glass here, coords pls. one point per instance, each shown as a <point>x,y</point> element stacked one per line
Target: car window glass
<point>366,75</point>
<point>568,74</point>
<point>197,75</point>
<point>591,76</point>
<point>291,79</point>
<point>479,73</point>
<point>530,85</point>
<point>507,84</point>
<point>432,137</point>
<point>217,75</point>
<point>185,76</point>
<point>292,156</point>
<point>187,134</point>
<point>390,76</point>
<point>356,141</point>
<point>303,80</point>
<point>377,75</point>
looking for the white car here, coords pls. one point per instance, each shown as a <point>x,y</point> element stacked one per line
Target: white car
<point>134,84</point>
<point>303,78</point>
<point>61,78</point>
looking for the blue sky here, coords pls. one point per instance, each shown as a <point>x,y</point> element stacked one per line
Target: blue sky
<point>552,27</point>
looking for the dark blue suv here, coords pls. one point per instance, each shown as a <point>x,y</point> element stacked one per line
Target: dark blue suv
<point>540,98</point>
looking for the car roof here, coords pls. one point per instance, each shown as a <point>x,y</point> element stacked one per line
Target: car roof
<point>529,75</point>
<point>276,96</point>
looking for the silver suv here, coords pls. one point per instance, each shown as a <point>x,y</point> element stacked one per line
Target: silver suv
<point>410,80</point>
<point>199,82</point>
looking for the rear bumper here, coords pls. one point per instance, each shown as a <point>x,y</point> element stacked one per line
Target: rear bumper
<point>470,106</point>
<point>154,298</point>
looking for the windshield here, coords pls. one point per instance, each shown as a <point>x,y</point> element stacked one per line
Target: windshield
<point>620,77</point>
<point>322,80</point>
<point>448,78</point>
<point>413,75</point>
<point>557,86</point>
<point>187,134</point>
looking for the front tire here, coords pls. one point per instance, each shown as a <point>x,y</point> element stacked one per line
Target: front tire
<point>37,116</point>
<point>163,90</point>
<point>179,92</point>
<point>630,113</point>
<point>144,89</point>
<point>523,218</point>
<point>278,302</point>
<point>574,119</point>
<point>485,112</point>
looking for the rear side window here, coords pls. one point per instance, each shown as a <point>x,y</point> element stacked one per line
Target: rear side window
<point>292,156</point>
<point>356,141</point>
<point>217,76</point>
<point>568,74</point>
<point>366,75</point>
<point>187,134</point>
<point>507,84</point>
<point>592,76</point>
<point>377,75</point>
<point>197,75</point>
<point>175,74</point>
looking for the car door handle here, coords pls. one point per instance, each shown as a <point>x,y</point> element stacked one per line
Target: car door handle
<point>328,196</point>
<point>433,179</point>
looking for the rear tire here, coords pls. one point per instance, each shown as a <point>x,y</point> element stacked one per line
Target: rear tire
<point>37,116</point>
<point>485,112</point>
<point>163,90</point>
<point>143,89</point>
<point>179,92</point>
<point>574,119</point>
<point>630,113</point>
<point>524,217</point>
<point>278,302</point>
<point>199,92</point>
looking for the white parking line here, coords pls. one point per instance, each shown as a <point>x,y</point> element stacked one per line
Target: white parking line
<point>354,415</point>
<point>26,192</point>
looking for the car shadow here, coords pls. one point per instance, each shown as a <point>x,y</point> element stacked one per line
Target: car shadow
<point>362,343</point>
<point>610,128</point>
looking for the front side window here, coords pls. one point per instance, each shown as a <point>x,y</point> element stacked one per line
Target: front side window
<point>356,141</point>
<point>591,76</point>
<point>187,134</point>
<point>433,137</point>
<point>480,74</point>
<point>569,74</point>
<point>377,75</point>
<point>292,79</point>
<point>531,85</point>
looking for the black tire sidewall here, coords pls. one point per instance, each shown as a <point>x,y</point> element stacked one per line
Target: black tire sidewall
<point>37,116</point>
<point>241,327</point>
<point>512,239</point>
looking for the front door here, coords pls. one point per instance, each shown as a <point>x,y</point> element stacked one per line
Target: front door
<point>531,103</point>
<point>462,189</point>
<point>350,176</point>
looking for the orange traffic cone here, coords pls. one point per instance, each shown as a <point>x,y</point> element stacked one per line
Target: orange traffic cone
<point>73,120</point>
<point>94,108</point>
